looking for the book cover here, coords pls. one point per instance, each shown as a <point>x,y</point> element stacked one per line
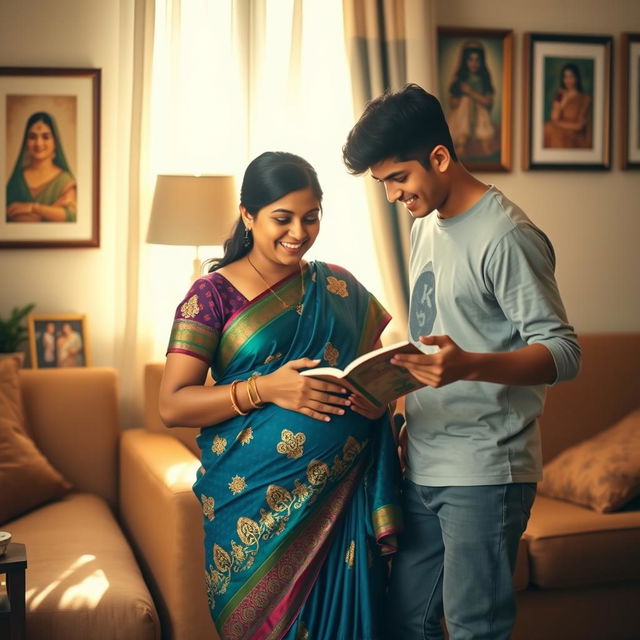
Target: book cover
<point>373,376</point>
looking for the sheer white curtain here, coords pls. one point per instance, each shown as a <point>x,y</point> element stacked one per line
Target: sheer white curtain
<point>233,79</point>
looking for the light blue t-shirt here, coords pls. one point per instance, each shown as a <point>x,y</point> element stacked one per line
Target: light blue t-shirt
<point>486,279</point>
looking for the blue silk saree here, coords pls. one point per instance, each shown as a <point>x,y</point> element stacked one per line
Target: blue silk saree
<point>299,514</point>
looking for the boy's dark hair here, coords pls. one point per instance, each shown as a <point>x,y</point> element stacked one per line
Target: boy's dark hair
<point>403,125</point>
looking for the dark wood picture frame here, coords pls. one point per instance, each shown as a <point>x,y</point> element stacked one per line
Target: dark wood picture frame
<point>58,340</point>
<point>479,110</point>
<point>630,101</point>
<point>567,101</point>
<point>62,106</point>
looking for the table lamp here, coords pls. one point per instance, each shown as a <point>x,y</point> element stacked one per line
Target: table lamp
<point>193,210</point>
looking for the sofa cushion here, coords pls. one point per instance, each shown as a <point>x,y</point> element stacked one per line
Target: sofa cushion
<point>26,476</point>
<point>82,578</point>
<point>602,472</point>
<point>570,545</point>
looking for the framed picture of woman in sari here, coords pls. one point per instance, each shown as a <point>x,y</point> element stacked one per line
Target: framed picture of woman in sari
<point>567,101</point>
<point>49,157</point>
<point>475,72</point>
<point>58,340</point>
<point>630,100</point>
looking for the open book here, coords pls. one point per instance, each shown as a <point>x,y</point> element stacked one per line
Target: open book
<point>372,375</point>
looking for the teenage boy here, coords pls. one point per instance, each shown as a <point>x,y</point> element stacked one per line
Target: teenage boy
<point>482,290</point>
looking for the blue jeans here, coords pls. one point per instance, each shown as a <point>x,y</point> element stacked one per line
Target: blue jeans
<point>456,558</point>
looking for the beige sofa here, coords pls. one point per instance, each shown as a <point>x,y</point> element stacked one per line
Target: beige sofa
<point>578,572</point>
<point>582,569</point>
<point>82,579</point>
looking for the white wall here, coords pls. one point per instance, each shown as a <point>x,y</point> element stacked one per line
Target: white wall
<point>592,218</point>
<point>72,33</point>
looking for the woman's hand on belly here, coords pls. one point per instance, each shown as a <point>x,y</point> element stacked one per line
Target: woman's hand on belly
<point>311,397</point>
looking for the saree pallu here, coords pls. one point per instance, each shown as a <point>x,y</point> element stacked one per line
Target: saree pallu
<point>298,513</point>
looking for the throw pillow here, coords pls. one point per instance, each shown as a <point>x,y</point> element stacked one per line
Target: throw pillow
<point>27,479</point>
<point>603,472</point>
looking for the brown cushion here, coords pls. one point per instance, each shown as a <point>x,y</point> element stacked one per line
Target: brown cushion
<point>603,472</point>
<point>26,477</point>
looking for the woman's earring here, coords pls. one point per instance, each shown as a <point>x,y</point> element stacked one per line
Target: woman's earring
<point>247,238</point>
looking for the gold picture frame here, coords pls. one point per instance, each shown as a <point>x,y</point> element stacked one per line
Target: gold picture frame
<point>477,100</point>
<point>58,340</point>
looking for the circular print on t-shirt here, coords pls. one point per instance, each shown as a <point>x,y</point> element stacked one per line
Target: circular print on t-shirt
<point>422,312</point>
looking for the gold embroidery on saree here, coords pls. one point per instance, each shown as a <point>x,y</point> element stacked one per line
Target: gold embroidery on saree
<point>278,498</point>
<point>218,445</point>
<point>291,444</point>
<point>237,551</point>
<point>248,531</point>
<point>221,558</point>
<point>208,505</point>
<point>331,354</point>
<point>245,436</point>
<point>318,472</point>
<point>191,308</point>
<point>350,556</point>
<point>281,502</point>
<point>339,287</point>
<point>237,485</point>
<point>273,357</point>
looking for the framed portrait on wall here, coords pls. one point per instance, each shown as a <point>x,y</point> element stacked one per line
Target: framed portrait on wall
<point>475,71</point>
<point>567,82</point>
<point>49,157</point>
<point>630,100</point>
<point>58,340</point>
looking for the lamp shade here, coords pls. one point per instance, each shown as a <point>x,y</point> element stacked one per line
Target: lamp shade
<point>192,210</point>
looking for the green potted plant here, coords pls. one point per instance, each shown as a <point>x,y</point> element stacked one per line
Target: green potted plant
<point>13,332</point>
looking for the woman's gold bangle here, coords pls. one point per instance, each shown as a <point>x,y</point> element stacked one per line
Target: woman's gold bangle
<point>255,388</point>
<point>234,399</point>
<point>252,390</point>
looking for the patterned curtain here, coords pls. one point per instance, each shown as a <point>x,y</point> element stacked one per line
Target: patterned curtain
<point>390,43</point>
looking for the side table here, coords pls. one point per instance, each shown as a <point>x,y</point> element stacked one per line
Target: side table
<point>13,565</point>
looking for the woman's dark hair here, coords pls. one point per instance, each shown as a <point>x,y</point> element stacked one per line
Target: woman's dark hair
<point>576,72</point>
<point>403,125</point>
<point>267,178</point>
<point>462,74</point>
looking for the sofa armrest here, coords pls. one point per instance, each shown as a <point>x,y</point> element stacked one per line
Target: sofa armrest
<point>164,521</point>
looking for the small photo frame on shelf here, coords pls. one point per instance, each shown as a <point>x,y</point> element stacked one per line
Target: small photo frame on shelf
<point>630,100</point>
<point>475,70</point>
<point>58,340</point>
<point>49,158</point>
<point>567,82</point>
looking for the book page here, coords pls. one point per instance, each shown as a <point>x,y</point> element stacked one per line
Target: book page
<point>382,382</point>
